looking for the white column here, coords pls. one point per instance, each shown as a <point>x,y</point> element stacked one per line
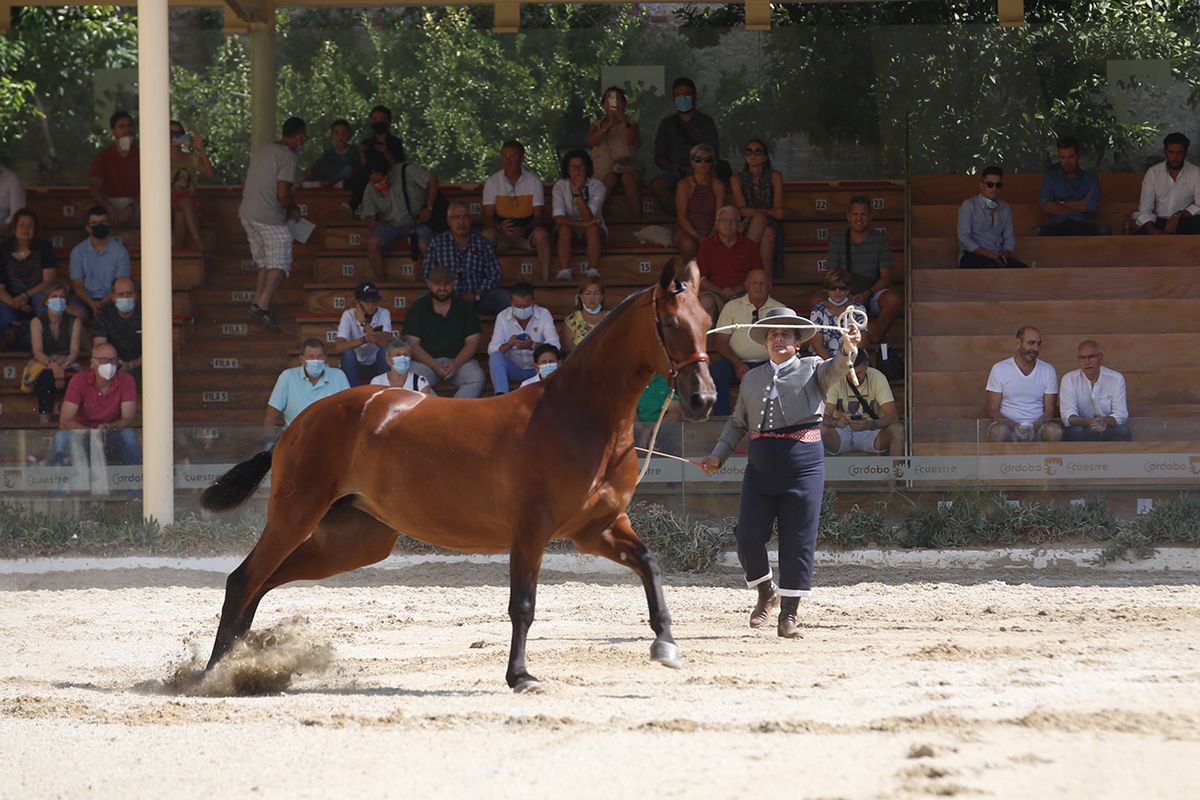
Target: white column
<point>158,397</point>
<point>262,84</point>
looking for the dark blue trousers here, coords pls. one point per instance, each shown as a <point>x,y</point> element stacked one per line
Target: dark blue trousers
<point>783,483</point>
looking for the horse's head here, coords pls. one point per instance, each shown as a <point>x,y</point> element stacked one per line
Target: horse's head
<point>683,325</point>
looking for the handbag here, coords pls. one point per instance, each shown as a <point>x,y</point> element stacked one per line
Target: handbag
<point>30,375</point>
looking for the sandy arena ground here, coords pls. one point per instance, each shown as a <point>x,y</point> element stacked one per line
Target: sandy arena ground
<point>1072,685</point>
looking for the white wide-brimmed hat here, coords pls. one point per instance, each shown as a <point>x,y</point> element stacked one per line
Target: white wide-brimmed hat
<point>781,316</point>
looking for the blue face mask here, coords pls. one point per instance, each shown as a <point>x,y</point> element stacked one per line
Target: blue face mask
<point>57,305</point>
<point>523,313</point>
<point>124,304</point>
<point>546,370</point>
<point>684,103</point>
<point>315,367</point>
<point>990,203</point>
<point>401,363</point>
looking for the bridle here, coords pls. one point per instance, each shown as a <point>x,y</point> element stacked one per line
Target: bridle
<point>696,357</point>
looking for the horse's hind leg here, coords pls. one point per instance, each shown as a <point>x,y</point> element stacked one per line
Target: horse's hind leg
<point>524,566</point>
<point>621,544</point>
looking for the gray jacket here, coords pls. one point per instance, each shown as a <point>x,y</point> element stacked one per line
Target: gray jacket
<point>802,386</point>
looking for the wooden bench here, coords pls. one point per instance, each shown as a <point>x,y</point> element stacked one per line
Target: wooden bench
<point>1062,283</point>
<point>1018,188</point>
<point>942,219</point>
<point>1073,251</point>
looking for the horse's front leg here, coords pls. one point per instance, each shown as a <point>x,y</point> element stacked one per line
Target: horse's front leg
<point>525,564</point>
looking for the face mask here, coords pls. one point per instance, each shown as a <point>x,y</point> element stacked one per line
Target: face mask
<point>546,370</point>
<point>990,203</point>
<point>57,305</point>
<point>124,304</point>
<point>592,309</point>
<point>100,230</point>
<point>314,367</point>
<point>125,142</point>
<point>380,127</point>
<point>106,371</point>
<point>401,363</point>
<point>382,186</point>
<point>684,103</point>
<point>523,313</point>
<point>841,302</point>
<point>179,138</point>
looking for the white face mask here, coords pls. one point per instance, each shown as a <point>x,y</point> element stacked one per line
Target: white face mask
<point>845,299</point>
<point>125,142</point>
<point>596,309</point>
<point>106,371</point>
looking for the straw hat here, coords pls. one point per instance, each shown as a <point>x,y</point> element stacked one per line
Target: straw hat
<point>781,316</point>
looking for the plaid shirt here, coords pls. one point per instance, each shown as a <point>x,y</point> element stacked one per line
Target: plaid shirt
<point>476,269</point>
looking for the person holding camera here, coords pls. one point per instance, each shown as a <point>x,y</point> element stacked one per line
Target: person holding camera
<point>399,202</point>
<point>578,212</point>
<point>363,334</point>
<point>614,142</point>
<point>862,418</point>
<point>188,161</point>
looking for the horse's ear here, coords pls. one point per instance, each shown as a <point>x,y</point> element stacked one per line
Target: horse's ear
<point>668,274</point>
<point>692,276</point>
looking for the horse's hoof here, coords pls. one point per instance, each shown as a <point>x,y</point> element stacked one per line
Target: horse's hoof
<point>667,654</point>
<point>528,686</point>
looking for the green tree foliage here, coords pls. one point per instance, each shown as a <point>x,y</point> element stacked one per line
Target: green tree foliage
<point>17,108</point>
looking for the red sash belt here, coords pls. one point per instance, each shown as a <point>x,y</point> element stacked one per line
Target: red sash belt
<point>804,435</point>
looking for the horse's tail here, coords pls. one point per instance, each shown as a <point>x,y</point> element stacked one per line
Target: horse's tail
<point>232,488</point>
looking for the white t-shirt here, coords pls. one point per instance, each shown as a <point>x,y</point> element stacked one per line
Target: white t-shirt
<point>348,329</point>
<point>413,381</point>
<point>1022,397</point>
<point>564,204</point>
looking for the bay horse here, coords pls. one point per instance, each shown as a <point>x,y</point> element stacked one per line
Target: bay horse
<point>554,460</point>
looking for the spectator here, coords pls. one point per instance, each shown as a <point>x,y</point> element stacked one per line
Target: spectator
<point>578,202</point>
<point>519,328</point>
<point>472,261</point>
<point>380,144</point>
<point>1092,400</point>
<point>297,388</point>
<point>119,324</point>
<point>867,255</point>
<point>514,207</point>
<point>27,267</point>
<point>758,195</point>
<point>116,173</point>
<point>1070,197</point>
<point>12,198</point>
<point>1170,201</point>
<point>740,353</point>
<point>96,262</point>
<point>677,137</point>
<point>985,226</point>
<point>589,310</point>
<point>835,302</point>
<point>56,338</point>
<point>340,161</point>
<point>104,399</point>
<point>862,418</point>
<point>267,205</point>
<point>400,373</point>
<point>649,409</point>
<point>363,333</point>
<point>697,198</point>
<point>1021,393</point>
<point>399,203</point>
<point>725,260</point>
<point>186,165</point>
<point>444,333</point>
<point>545,360</point>
<point>614,140</point>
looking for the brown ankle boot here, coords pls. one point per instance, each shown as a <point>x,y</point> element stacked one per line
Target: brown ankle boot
<point>767,600</point>
<point>787,617</point>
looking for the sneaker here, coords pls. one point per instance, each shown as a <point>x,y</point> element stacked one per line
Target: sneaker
<point>592,272</point>
<point>264,318</point>
<point>564,274</point>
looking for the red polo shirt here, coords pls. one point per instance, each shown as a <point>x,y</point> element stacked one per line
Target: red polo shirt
<point>728,266</point>
<point>121,175</point>
<point>96,407</point>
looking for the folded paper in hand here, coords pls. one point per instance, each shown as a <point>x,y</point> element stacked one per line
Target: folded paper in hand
<point>301,229</point>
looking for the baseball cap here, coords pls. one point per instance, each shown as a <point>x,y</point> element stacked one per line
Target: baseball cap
<point>367,290</point>
<point>442,274</point>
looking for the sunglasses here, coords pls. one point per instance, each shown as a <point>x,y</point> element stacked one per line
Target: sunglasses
<point>841,287</point>
<point>702,160</point>
<point>994,184</point>
<point>755,151</point>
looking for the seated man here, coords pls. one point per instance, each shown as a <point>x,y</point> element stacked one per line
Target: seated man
<point>867,255</point>
<point>100,398</point>
<point>725,259</point>
<point>1021,392</point>
<point>96,263</point>
<point>519,328</point>
<point>985,226</point>
<point>514,207</point>
<point>340,161</point>
<point>399,202</point>
<point>1170,201</point>
<point>1070,197</point>
<point>862,418</point>
<point>740,353</point>
<point>472,260</point>
<point>400,373</point>
<point>1092,400</point>
<point>299,387</point>
<point>363,332</point>
<point>382,143</point>
<point>677,134</point>
<point>578,200</point>
<point>545,361</point>
<point>119,323</point>
<point>444,332</point>
<point>115,181</point>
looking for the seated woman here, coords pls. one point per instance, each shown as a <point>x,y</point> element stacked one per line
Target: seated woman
<point>614,141</point>
<point>545,359</point>
<point>826,312</point>
<point>56,337</point>
<point>28,267</point>
<point>186,165</point>
<point>758,195</point>
<point>697,199</point>
<point>589,310</point>
<point>578,204</point>
<point>400,374</point>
